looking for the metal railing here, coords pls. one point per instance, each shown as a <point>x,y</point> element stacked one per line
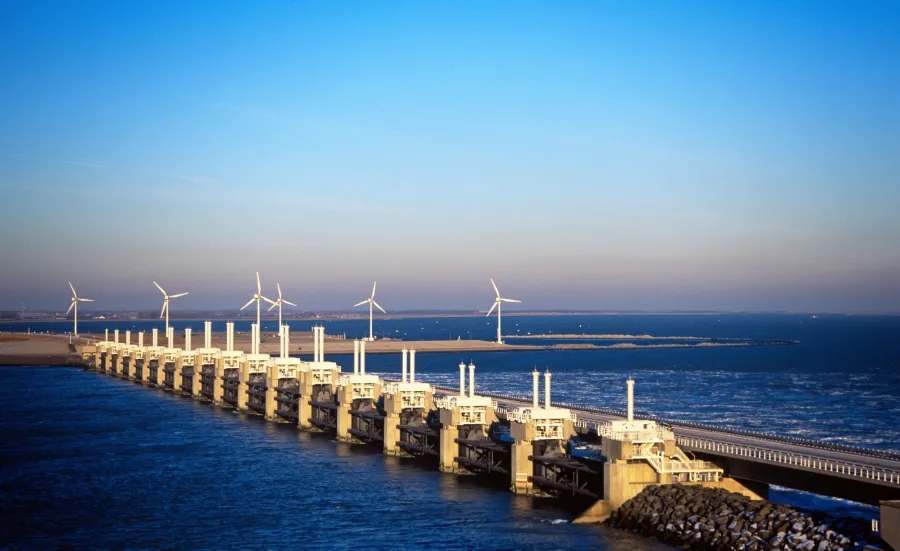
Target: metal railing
<point>858,450</point>
<point>808,461</point>
<point>801,460</point>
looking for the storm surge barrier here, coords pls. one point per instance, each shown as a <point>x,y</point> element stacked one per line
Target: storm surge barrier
<point>538,447</point>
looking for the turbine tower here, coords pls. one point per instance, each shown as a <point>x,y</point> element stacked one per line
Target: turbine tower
<point>278,303</point>
<point>497,304</point>
<point>75,301</point>
<point>165,308</point>
<point>371,301</point>
<point>257,297</point>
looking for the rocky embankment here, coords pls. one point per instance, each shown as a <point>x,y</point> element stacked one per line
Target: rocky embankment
<point>716,519</point>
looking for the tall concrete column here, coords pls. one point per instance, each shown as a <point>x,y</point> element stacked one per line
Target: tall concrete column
<point>630,400</point>
<point>178,378</point>
<point>392,409</point>
<point>158,381</point>
<point>207,334</point>
<point>155,340</point>
<point>344,402</point>
<point>362,357</point>
<point>412,366</point>
<point>449,448</point>
<point>145,368</point>
<point>315,336</point>
<point>195,380</point>
<point>521,467</point>
<point>304,410</point>
<point>128,337</point>
<point>218,389</point>
<point>116,338</point>
<point>616,486</point>
<point>106,335</point>
<point>243,378</point>
<point>356,356</point>
<point>404,364</point>
<point>229,336</point>
<point>118,366</point>
<point>547,389</point>
<point>187,339</point>
<point>271,383</point>
<point>141,339</point>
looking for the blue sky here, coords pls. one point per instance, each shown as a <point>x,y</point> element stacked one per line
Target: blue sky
<point>620,155</point>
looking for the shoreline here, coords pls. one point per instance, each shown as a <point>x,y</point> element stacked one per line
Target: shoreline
<point>20,349</point>
<point>417,315</point>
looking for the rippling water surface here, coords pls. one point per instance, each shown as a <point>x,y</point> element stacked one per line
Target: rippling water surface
<point>91,462</point>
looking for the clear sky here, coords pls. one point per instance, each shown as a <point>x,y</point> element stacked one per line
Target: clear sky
<point>596,155</point>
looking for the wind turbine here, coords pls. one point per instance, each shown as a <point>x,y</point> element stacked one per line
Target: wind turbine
<point>257,297</point>
<point>278,303</point>
<point>75,301</point>
<point>165,308</point>
<point>497,304</point>
<point>371,301</point>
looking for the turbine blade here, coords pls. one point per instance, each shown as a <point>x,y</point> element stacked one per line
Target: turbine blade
<point>72,305</point>
<point>178,295</point>
<point>492,309</point>
<point>379,307</point>
<point>160,288</point>
<point>249,302</point>
<point>258,284</point>
<point>496,290</point>
<point>74,294</point>
<point>360,303</point>
<point>510,300</point>
<point>288,302</point>
<point>86,299</point>
<point>279,289</point>
<point>270,301</point>
<point>374,283</point>
<point>274,304</point>
<point>163,311</point>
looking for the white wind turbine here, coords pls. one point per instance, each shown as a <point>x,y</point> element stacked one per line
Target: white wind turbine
<point>497,304</point>
<point>371,301</point>
<point>257,297</point>
<point>278,303</point>
<point>165,308</point>
<point>75,301</point>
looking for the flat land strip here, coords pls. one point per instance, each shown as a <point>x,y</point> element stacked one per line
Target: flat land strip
<point>21,349</point>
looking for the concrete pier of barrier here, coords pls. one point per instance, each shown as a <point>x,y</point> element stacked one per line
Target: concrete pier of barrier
<point>463,433</point>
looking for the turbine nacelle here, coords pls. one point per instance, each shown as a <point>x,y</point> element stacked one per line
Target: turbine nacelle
<point>75,298</point>
<point>279,301</point>
<point>165,307</point>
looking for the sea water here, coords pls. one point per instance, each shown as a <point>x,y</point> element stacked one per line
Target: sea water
<point>92,462</point>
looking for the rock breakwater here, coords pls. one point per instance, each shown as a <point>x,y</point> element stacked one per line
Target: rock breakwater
<point>716,519</point>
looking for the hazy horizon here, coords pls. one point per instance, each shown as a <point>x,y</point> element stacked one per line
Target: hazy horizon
<point>589,156</point>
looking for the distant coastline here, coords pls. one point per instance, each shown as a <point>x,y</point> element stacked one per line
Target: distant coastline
<point>125,316</point>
